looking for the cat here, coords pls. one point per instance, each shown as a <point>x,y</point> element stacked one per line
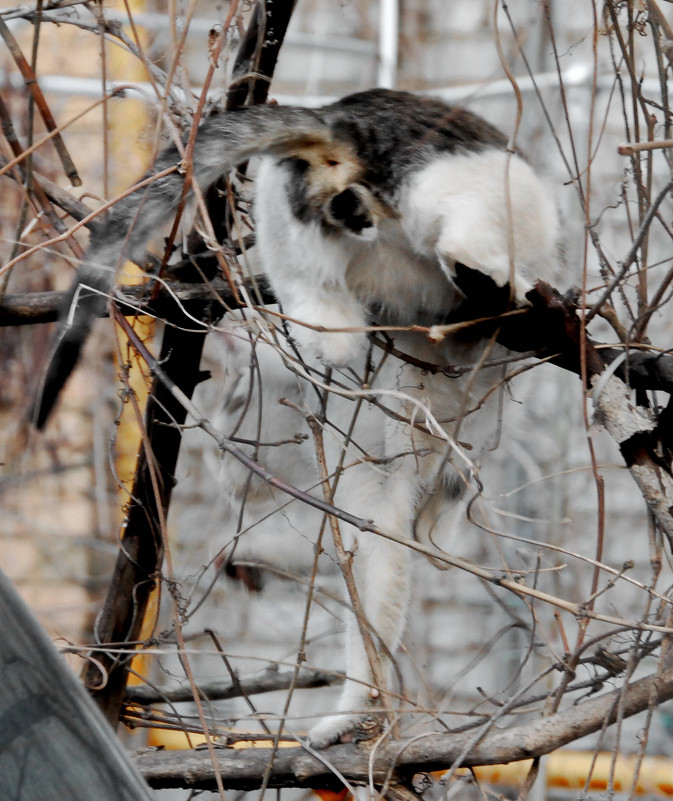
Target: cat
<point>456,197</point>
<point>368,211</point>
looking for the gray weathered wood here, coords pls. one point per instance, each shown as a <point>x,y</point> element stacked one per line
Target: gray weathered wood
<point>54,743</point>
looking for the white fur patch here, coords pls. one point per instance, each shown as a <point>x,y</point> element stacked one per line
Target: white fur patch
<point>486,210</point>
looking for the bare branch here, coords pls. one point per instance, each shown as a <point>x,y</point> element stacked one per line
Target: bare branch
<point>267,682</point>
<point>543,331</point>
<point>60,197</point>
<point>634,430</point>
<point>294,767</point>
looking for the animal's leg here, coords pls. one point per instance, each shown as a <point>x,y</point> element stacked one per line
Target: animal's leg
<point>382,576</point>
<point>315,309</point>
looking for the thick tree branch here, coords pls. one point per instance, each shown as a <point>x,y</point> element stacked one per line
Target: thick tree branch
<point>226,445</point>
<point>549,328</point>
<point>44,307</point>
<point>636,432</point>
<point>267,682</point>
<point>294,767</point>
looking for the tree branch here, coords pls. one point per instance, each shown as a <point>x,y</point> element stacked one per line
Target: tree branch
<point>164,380</point>
<point>267,682</point>
<point>59,197</point>
<point>549,328</point>
<point>294,767</point>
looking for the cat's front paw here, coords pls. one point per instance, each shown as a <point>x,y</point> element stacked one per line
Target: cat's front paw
<point>345,729</point>
<point>333,349</point>
<point>340,349</point>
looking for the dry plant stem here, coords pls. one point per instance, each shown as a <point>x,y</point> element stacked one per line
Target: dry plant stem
<point>301,656</point>
<point>162,510</point>
<point>629,148</point>
<point>33,187</point>
<point>294,677</point>
<point>51,135</point>
<point>644,738</point>
<point>607,312</point>
<point>574,171</point>
<point>92,216</point>
<point>242,770</point>
<point>187,162</point>
<point>661,666</point>
<point>157,79</point>
<point>643,370</point>
<point>60,197</point>
<point>529,781</point>
<point>585,352</point>
<point>633,252</point>
<point>657,298</point>
<point>137,712</point>
<point>293,683</point>
<point>659,19</point>
<point>282,13</point>
<point>346,564</point>
<point>234,678</point>
<point>27,172</point>
<point>478,737</point>
<point>115,32</point>
<point>619,720</point>
<point>98,12</point>
<point>281,10</point>
<point>33,87</point>
<point>161,519</point>
<point>141,553</point>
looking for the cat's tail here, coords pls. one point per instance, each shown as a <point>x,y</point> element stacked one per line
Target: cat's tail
<point>223,141</point>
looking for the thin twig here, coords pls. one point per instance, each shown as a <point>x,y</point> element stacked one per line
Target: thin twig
<point>34,88</point>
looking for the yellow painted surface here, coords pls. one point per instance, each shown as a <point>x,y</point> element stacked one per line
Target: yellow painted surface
<point>127,119</point>
<point>128,159</point>
<point>569,769</point>
<point>575,770</point>
<point>178,740</point>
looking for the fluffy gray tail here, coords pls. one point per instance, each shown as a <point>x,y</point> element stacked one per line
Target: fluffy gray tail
<point>222,142</point>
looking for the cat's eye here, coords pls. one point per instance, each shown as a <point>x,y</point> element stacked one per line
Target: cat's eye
<point>332,163</point>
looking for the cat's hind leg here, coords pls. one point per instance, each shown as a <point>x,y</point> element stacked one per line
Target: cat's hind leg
<point>382,573</point>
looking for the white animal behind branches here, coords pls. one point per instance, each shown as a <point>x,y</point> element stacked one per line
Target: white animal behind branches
<point>367,213</point>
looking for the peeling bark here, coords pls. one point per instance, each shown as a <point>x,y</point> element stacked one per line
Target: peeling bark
<point>634,429</point>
